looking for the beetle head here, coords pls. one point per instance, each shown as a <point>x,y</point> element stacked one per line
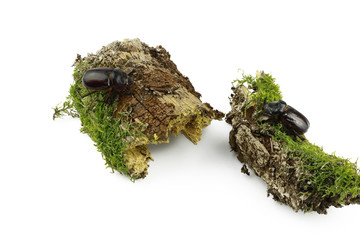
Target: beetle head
<point>274,108</point>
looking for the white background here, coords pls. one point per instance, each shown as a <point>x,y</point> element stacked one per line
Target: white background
<point>53,182</point>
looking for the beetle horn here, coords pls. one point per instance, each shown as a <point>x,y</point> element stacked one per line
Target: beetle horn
<point>264,101</point>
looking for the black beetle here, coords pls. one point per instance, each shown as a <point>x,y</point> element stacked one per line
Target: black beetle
<point>105,79</point>
<point>287,115</point>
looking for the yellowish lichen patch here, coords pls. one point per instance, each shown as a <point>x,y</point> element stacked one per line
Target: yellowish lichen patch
<point>137,159</point>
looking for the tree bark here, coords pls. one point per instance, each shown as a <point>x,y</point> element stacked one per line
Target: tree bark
<point>161,99</point>
<point>269,160</point>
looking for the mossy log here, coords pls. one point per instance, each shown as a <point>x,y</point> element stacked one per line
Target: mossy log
<point>160,101</point>
<point>297,173</point>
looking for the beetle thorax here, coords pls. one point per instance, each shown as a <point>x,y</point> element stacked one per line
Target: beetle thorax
<point>274,108</point>
<point>118,79</point>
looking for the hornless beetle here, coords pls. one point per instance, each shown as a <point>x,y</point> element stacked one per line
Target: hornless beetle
<point>287,115</point>
<point>105,79</point>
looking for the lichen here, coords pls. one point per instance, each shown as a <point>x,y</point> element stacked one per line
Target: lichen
<point>298,173</point>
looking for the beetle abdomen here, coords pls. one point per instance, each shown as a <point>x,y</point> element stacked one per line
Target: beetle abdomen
<point>97,78</point>
<point>295,121</point>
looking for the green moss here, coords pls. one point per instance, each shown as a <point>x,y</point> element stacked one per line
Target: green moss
<point>322,175</point>
<point>112,135</point>
<point>263,86</point>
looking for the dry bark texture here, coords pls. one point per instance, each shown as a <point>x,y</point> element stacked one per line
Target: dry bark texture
<point>162,100</point>
<point>262,154</point>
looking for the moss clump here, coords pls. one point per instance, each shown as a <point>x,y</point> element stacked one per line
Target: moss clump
<point>112,135</point>
<point>323,175</point>
<point>263,86</point>
<point>298,173</point>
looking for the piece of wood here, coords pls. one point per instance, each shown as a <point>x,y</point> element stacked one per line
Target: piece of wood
<point>281,169</point>
<point>161,100</point>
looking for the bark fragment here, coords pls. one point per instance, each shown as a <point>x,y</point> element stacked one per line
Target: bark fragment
<point>283,169</point>
<point>161,99</point>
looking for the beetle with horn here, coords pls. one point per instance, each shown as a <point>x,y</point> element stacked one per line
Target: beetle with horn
<point>288,116</point>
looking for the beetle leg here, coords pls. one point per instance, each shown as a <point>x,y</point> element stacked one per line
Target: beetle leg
<point>85,95</point>
<point>265,101</point>
<point>128,92</point>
